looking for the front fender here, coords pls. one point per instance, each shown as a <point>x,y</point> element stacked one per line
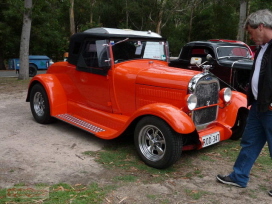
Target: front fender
<point>55,92</point>
<point>228,114</point>
<point>175,117</point>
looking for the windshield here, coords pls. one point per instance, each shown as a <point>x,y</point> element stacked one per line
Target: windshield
<point>233,51</point>
<point>138,49</point>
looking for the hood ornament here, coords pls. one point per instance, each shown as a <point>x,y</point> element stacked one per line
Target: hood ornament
<point>204,67</point>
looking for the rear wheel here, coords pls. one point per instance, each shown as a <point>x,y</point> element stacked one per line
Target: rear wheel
<point>32,70</point>
<point>39,105</point>
<point>157,144</point>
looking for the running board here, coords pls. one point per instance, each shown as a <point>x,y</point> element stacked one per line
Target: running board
<point>89,126</point>
<point>79,123</point>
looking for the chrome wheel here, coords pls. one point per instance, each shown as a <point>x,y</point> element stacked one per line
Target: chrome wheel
<point>38,104</point>
<point>152,143</point>
<point>157,144</point>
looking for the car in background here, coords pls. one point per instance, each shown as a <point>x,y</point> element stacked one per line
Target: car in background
<point>236,41</point>
<point>231,61</point>
<point>36,62</point>
<point>254,48</point>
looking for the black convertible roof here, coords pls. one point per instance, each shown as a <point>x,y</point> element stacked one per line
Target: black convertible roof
<point>102,33</point>
<point>106,33</point>
<point>121,32</point>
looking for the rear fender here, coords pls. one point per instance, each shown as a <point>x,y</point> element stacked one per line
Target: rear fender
<point>174,116</point>
<point>56,95</point>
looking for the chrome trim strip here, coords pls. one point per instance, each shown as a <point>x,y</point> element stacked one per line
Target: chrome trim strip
<point>194,81</point>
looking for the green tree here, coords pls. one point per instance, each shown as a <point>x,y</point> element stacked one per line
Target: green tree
<point>3,33</point>
<point>50,29</point>
<point>11,13</point>
<point>242,18</point>
<point>179,21</point>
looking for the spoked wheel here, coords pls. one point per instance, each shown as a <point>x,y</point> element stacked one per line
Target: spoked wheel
<point>39,105</point>
<point>157,144</point>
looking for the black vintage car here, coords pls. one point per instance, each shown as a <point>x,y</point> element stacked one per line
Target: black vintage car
<point>231,62</point>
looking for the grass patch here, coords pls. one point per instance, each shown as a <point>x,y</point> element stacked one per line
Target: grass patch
<point>63,193</point>
<point>207,158</point>
<point>122,155</point>
<point>264,161</point>
<point>126,178</point>
<point>158,199</point>
<point>13,81</point>
<point>195,194</point>
<point>12,84</point>
<point>252,193</point>
<point>112,156</point>
<point>228,149</point>
<point>151,196</point>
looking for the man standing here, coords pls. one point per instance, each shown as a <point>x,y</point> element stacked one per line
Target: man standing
<point>258,129</point>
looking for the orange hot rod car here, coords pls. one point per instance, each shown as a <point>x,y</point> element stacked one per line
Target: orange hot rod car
<point>119,80</point>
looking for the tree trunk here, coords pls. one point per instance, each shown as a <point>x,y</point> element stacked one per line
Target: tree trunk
<point>72,18</point>
<point>127,14</point>
<point>2,64</point>
<point>160,15</point>
<point>159,22</point>
<point>191,23</point>
<point>92,6</point>
<point>243,13</point>
<point>25,38</point>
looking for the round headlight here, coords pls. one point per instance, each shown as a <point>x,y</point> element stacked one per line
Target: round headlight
<point>191,101</point>
<point>227,95</point>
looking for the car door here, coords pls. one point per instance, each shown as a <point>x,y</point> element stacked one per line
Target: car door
<point>91,78</point>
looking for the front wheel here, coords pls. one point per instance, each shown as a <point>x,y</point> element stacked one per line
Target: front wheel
<point>239,126</point>
<point>158,145</point>
<point>39,104</point>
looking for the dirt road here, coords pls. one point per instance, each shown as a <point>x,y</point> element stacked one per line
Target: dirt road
<point>33,153</point>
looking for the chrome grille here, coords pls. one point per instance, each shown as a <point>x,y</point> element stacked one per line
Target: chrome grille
<point>205,115</point>
<point>206,88</point>
<point>207,94</point>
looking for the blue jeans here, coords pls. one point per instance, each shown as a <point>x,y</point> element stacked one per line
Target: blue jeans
<point>257,132</point>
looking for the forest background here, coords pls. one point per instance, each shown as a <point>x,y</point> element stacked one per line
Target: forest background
<point>180,21</point>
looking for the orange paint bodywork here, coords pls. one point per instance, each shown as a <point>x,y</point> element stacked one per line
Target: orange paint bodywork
<point>107,105</point>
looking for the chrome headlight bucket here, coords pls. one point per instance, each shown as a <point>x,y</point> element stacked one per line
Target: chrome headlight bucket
<point>191,101</point>
<point>226,94</point>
